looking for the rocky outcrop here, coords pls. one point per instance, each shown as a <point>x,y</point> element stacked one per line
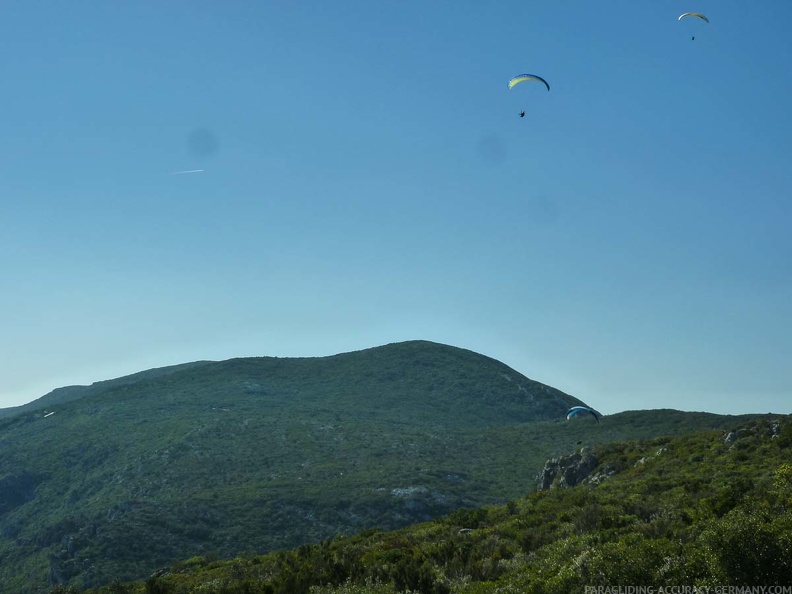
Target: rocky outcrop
<point>771,427</point>
<point>567,471</point>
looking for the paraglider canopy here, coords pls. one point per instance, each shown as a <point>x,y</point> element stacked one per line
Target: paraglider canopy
<point>525,77</point>
<point>693,14</point>
<point>577,410</point>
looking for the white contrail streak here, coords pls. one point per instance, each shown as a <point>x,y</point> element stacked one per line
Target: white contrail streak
<point>186,171</point>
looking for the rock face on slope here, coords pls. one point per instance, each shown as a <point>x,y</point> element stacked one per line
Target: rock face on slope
<point>567,471</point>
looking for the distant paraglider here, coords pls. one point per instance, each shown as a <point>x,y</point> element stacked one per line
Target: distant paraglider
<point>695,15</point>
<point>578,410</point>
<point>523,78</point>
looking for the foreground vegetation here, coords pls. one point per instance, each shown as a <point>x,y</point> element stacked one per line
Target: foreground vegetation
<point>709,509</point>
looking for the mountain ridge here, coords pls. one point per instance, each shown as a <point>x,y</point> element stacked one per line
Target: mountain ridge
<point>380,354</point>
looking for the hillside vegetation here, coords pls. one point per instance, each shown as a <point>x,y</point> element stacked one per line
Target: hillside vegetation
<point>259,454</point>
<point>706,510</point>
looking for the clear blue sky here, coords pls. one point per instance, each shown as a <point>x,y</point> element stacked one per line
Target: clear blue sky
<point>366,180</point>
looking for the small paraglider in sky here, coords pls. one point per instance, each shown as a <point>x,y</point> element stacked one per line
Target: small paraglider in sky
<point>695,15</point>
<point>578,410</point>
<point>523,78</point>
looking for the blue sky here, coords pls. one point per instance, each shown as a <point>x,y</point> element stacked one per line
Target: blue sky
<point>366,180</point>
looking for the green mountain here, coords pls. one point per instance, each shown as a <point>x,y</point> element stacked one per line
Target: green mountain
<point>708,512</point>
<point>259,454</point>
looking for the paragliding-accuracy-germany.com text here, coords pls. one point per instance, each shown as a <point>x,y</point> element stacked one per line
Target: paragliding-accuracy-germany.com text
<point>688,590</point>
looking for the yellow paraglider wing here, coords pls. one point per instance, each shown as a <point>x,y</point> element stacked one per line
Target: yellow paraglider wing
<point>524,77</point>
